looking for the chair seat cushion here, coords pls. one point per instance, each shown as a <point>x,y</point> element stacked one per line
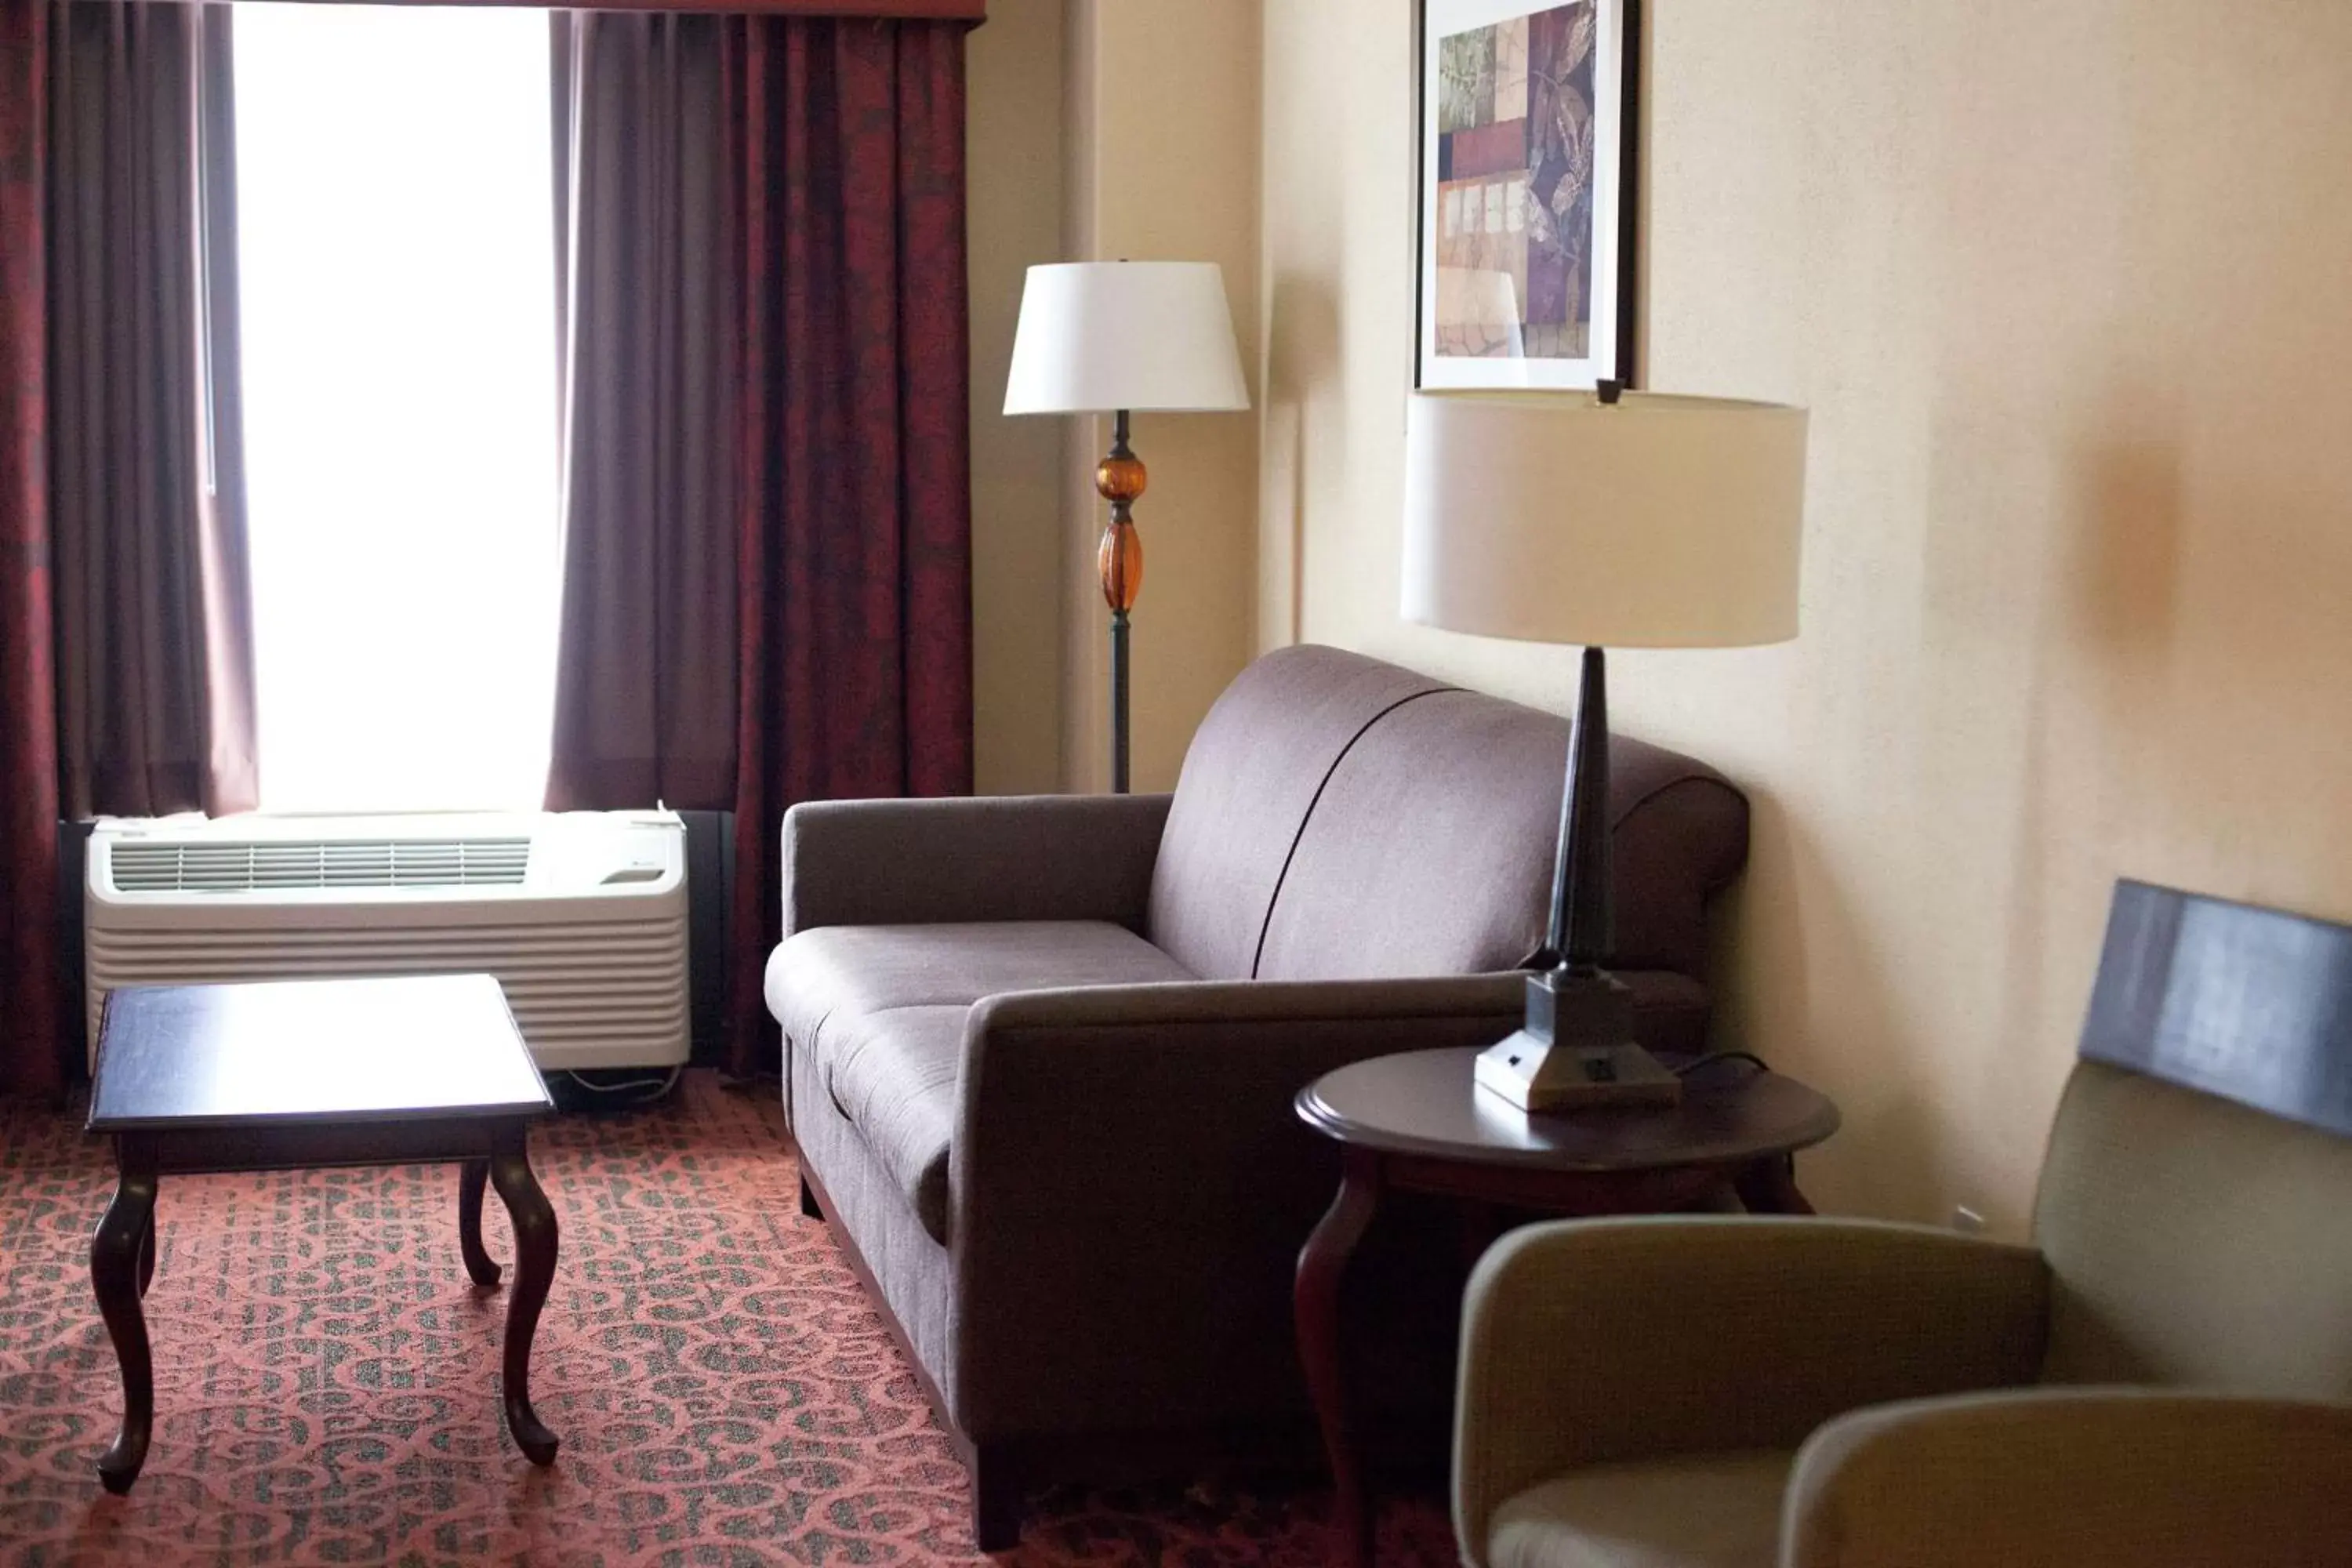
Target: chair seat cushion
<point>1707,1510</point>
<point>882,1010</point>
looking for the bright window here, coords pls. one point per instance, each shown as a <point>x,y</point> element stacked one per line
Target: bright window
<point>396,246</point>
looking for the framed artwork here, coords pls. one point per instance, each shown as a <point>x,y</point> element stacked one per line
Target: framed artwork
<point>1527,182</point>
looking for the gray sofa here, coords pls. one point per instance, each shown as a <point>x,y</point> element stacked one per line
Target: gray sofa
<point>1040,1052</point>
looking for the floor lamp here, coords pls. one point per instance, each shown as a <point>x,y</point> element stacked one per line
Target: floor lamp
<point>1602,520</point>
<point>1121,338</point>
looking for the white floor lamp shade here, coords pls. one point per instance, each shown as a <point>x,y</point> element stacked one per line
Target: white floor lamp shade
<point>1146,336</point>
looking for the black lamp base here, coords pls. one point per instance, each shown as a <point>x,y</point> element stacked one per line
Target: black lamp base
<point>1576,1050</point>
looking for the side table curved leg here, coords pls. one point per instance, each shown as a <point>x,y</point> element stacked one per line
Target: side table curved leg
<point>115,1249</point>
<point>1769,1186</point>
<point>473,1176</point>
<point>1315,1302</point>
<point>535,1236</point>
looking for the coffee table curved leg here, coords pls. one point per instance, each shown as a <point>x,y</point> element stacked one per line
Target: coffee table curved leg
<point>535,1233</point>
<point>1315,1302</point>
<point>474,1176</point>
<point>147,1254</point>
<point>115,1248</point>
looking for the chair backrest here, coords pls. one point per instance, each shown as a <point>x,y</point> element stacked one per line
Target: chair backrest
<point>2196,1206</point>
<point>1339,817</point>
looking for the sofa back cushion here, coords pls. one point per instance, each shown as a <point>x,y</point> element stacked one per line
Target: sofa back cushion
<point>1429,850</point>
<point>1249,782</point>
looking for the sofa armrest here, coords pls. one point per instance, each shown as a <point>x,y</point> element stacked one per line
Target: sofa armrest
<point>981,857</point>
<point>1130,1187</point>
<point>2089,1478</point>
<point>1588,1342</point>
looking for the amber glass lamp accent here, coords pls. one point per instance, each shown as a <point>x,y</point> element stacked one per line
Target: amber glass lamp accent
<point>1119,562</point>
<point>1117,338</point>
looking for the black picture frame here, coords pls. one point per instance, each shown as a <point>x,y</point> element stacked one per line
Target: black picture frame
<point>1619,43</point>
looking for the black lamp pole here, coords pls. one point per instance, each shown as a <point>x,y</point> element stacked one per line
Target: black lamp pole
<point>1576,1045</point>
<point>1582,915</point>
<point>1582,919</point>
<point>1118,747</point>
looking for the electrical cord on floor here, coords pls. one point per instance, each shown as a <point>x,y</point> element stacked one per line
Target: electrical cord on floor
<point>1751,1058</point>
<point>641,1090</point>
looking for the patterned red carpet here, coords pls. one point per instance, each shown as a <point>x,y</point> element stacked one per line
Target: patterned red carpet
<point>324,1377</point>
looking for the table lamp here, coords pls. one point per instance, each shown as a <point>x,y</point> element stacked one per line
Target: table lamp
<point>1119,338</point>
<point>1598,519</point>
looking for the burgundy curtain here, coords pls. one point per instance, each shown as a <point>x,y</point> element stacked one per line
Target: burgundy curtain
<point>153,619</point>
<point>29,1010</point>
<point>856,595</point>
<point>837,556</point>
<point>125,640</point>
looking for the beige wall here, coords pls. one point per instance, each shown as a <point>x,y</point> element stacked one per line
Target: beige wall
<point>1014,146</point>
<point>1163,165</point>
<point>2062,282</point>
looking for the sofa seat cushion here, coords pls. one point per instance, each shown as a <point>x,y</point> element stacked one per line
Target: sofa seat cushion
<point>1707,1510</point>
<point>881,1011</point>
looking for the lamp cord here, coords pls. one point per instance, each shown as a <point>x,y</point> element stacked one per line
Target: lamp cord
<point>1689,1068</point>
<point>643,1090</point>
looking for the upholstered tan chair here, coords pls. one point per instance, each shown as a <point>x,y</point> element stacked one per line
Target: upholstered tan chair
<point>2160,1379</point>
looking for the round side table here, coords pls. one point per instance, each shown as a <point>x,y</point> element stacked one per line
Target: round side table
<point>1417,1123</point>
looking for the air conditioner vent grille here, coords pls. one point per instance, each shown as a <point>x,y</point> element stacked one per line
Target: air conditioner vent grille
<point>216,868</point>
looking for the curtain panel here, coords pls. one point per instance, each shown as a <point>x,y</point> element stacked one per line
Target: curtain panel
<point>970,11</point>
<point>126,679</point>
<point>805,618</point>
<point>154,602</point>
<point>29,989</point>
<point>648,314</point>
<point>967,11</point>
<point>855,596</point>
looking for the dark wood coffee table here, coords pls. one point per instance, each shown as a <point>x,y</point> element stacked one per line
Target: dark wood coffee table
<point>1416,1122</point>
<point>331,1072</point>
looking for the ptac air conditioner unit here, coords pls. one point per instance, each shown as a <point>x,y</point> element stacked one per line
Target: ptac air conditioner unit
<point>582,916</point>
